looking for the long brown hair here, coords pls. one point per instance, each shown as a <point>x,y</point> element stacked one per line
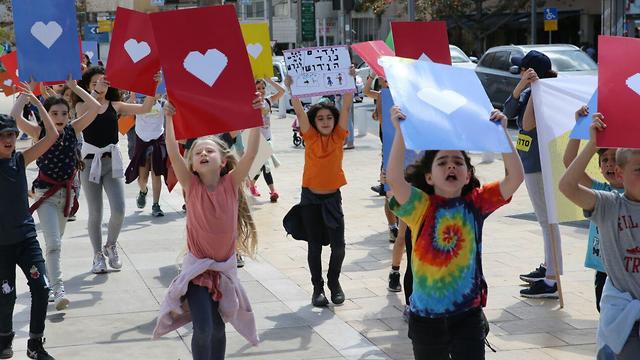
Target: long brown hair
<point>247,241</point>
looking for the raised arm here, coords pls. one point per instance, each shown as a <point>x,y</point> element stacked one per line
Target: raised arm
<point>33,129</point>
<point>39,148</point>
<point>137,109</point>
<point>514,173</point>
<point>395,168</point>
<point>569,184</point>
<point>347,103</point>
<point>571,152</point>
<point>177,162</point>
<point>368,89</point>
<point>279,90</point>
<point>91,106</point>
<point>303,120</point>
<point>529,117</point>
<point>244,164</point>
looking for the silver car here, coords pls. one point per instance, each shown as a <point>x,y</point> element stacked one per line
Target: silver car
<point>499,77</point>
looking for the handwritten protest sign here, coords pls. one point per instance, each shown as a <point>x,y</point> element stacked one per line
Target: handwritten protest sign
<point>256,37</point>
<point>319,71</point>
<point>47,39</point>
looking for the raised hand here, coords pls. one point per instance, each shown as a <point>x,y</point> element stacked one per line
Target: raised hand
<point>583,111</point>
<point>498,116</point>
<point>396,116</point>
<point>597,125</point>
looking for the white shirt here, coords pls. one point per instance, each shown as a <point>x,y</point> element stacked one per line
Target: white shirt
<point>150,126</point>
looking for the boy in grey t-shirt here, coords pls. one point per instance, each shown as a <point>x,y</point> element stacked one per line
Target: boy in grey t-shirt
<point>618,218</point>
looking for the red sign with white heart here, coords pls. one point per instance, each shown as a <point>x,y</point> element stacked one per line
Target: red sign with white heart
<point>133,54</point>
<point>422,40</point>
<point>371,51</point>
<point>619,91</point>
<point>208,75</point>
<point>9,78</point>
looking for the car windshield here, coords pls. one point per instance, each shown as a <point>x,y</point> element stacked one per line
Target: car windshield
<point>457,56</point>
<point>570,60</point>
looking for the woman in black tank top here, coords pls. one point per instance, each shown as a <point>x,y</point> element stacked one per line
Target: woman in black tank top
<point>101,139</point>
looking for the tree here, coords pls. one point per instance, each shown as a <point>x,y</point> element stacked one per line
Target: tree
<point>470,16</point>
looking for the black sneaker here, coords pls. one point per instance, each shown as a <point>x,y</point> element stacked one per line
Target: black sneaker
<point>318,299</point>
<point>156,211</point>
<point>379,189</point>
<point>141,201</point>
<point>337,295</point>
<point>35,350</point>
<point>239,261</point>
<point>540,290</point>
<point>393,234</point>
<point>537,274</point>
<point>394,282</point>
<point>6,348</point>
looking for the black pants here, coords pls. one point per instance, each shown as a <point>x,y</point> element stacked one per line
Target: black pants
<point>267,175</point>
<point>599,285</point>
<point>317,234</point>
<point>209,340</point>
<point>408,274</point>
<point>28,256</point>
<point>456,337</point>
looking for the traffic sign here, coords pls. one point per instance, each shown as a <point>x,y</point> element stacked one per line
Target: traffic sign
<point>550,19</point>
<point>91,33</point>
<point>308,20</point>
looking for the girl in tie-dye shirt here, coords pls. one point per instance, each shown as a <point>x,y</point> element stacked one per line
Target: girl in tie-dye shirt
<point>444,205</point>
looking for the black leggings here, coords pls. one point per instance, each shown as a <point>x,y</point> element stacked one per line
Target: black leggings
<point>408,274</point>
<point>209,340</point>
<point>317,235</point>
<point>267,176</point>
<point>599,285</point>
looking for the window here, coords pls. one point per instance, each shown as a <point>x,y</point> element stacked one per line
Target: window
<point>487,60</point>
<point>502,61</point>
<point>277,73</point>
<point>280,8</point>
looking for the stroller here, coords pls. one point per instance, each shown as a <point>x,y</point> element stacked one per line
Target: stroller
<point>297,139</point>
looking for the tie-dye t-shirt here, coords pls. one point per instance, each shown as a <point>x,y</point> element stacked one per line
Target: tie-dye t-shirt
<point>447,239</point>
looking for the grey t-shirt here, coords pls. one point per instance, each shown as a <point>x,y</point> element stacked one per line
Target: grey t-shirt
<point>618,219</point>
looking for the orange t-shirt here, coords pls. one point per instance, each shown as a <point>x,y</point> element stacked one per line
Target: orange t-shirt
<point>323,159</point>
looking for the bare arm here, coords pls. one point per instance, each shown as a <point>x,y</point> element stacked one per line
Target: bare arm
<point>529,117</point>
<point>514,173</point>
<point>39,148</point>
<point>137,109</point>
<point>395,167</point>
<point>244,164</point>
<point>569,184</point>
<point>571,152</point>
<point>33,129</point>
<point>347,103</point>
<point>178,163</point>
<point>368,89</point>
<point>279,90</point>
<point>90,106</point>
<point>303,120</point>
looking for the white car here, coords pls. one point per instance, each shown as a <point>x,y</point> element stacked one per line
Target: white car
<point>460,59</point>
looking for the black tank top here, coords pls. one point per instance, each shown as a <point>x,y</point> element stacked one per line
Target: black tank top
<point>103,130</point>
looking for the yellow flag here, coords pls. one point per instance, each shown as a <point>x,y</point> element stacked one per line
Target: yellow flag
<point>256,38</point>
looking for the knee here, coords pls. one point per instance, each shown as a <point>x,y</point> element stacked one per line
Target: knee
<point>7,292</point>
<point>54,245</point>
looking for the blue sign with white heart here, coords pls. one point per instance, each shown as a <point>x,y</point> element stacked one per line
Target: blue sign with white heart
<point>90,48</point>
<point>446,107</point>
<point>46,39</point>
<point>581,129</point>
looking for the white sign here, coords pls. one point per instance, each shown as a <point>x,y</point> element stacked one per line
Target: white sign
<point>319,71</point>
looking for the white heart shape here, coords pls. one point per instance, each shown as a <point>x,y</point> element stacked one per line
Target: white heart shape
<point>46,34</point>
<point>137,50</point>
<point>254,50</point>
<point>633,82</point>
<point>89,54</point>
<point>424,57</point>
<point>207,67</point>
<point>8,82</point>
<point>446,101</point>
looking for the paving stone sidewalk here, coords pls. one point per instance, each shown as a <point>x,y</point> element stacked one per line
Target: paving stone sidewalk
<point>112,316</point>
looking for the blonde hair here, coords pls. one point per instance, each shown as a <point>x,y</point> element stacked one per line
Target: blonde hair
<point>623,155</point>
<point>247,241</point>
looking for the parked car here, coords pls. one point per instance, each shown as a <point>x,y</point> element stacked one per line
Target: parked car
<point>499,77</point>
<point>460,59</point>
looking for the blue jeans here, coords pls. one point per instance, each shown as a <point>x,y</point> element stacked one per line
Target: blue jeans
<point>209,341</point>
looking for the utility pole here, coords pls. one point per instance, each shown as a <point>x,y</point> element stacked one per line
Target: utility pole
<point>268,14</point>
<point>533,21</point>
<point>613,17</point>
<point>411,10</point>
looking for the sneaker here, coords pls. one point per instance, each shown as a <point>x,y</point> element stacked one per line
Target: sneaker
<point>141,201</point>
<point>112,253</point>
<point>274,197</point>
<point>184,207</point>
<point>60,300</point>
<point>156,211</point>
<point>239,261</point>
<point>71,218</point>
<point>6,346</point>
<point>337,295</point>
<point>99,264</point>
<point>393,233</point>
<point>318,299</point>
<point>379,189</point>
<point>394,281</point>
<point>535,275</point>
<point>35,350</point>
<point>51,299</point>
<point>254,190</point>
<point>540,290</point>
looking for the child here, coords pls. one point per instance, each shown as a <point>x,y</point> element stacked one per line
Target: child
<point>324,130</point>
<point>150,156</point>
<point>445,207</point>
<point>55,187</point>
<point>607,162</point>
<point>217,217</point>
<point>520,105</point>
<point>617,217</point>
<point>261,87</point>
<point>18,243</point>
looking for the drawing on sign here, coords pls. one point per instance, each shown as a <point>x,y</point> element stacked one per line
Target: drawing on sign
<point>46,34</point>
<point>319,71</point>
<point>207,67</point>
<point>137,50</point>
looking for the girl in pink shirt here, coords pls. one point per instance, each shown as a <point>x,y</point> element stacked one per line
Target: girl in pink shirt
<point>218,223</point>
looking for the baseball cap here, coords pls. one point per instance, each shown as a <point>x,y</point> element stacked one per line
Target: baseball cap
<point>533,60</point>
<point>8,124</point>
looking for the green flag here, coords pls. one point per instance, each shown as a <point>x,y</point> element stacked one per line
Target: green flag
<point>389,41</point>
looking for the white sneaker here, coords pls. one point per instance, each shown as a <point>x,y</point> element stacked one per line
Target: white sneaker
<point>99,264</point>
<point>112,254</point>
<point>61,302</point>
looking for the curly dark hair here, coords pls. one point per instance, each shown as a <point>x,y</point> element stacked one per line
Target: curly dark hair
<point>313,112</point>
<point>55,100</point>
<point>112,94</point>
<point>415,173</point>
